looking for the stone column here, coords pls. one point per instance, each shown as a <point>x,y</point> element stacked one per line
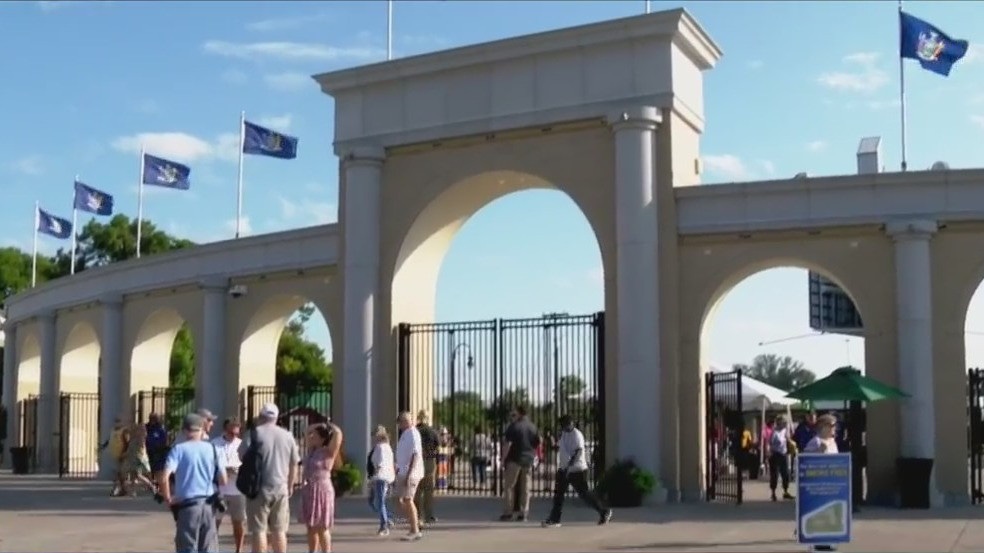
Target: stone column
<point>49,404</point>
<point>362,181</point>
<point>10,370</point>
<point>638,349</point>
<point>210,367</point>
<point>914,316</point>
<point>111,396</point>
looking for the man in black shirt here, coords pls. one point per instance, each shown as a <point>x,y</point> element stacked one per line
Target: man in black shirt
<point>429,441</point>
<point>518,453</point>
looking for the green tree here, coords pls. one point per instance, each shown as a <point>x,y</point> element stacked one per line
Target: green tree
<point>300,362</point>
<point>116,240</point>
<point>469,411</point>
<point>784,373</point>
<point>571,386</point>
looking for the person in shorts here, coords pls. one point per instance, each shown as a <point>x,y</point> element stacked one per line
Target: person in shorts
<point>409,472</point>
<point>278,458</point>
<point>228,445</point>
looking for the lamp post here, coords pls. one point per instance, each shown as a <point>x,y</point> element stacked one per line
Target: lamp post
<point>452,367</point>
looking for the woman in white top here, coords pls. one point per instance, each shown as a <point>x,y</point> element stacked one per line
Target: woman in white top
<point>824,441</point>
<point>382,473</point>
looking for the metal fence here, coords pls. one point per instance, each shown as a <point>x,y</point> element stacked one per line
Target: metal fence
<point>172,404</point>
<point>300,406</point>
<point>975,433</point>
<point>470,376</point>
<point>78,435</point>
<point>725,460</point>
<point>29,428</point>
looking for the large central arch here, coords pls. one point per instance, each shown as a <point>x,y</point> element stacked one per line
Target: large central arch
<point>429,196</point>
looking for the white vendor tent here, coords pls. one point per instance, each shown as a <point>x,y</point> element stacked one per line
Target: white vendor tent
<point>755,394</point>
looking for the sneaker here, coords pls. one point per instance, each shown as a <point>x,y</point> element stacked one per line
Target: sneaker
<point>383,532</point>
<point>550,524</point>
<point>522,518</point>
<point>786,495</point>
<point>413,536</point>
<point>431,520</point>
<point>506,518</point>
<point>606,517</point>
<point>774,498</point>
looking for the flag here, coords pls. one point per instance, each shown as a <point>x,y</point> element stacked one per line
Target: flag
<point>261,141</point>
<point>53,226</point>
<point>95,201</point>
<point>931,47</point>
<point>162,172</point>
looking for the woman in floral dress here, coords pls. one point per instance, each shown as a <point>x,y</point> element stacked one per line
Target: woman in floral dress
<point>324,441</point>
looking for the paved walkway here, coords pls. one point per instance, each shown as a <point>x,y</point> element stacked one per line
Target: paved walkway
<point>40,513</point>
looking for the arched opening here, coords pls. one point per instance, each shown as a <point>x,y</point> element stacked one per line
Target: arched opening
<point>78,405</point>
<point>79,372</point>
<point>517,258</point>
<point>973,339</point>
<point>286,358</point>
<point>162,367</point>
<point>28,367</point>
<point>783,326</point>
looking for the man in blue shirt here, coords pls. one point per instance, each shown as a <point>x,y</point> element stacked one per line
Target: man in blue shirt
<point>805,431</point>
<point>197,468</point>
<point>156,443</point>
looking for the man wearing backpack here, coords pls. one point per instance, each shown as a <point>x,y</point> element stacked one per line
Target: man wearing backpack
<point>276,456</point>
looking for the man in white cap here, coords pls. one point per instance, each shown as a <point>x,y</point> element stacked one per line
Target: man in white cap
<point>277,460</point>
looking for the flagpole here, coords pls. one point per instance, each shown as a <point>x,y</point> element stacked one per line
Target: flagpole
<point>649,6</point>
<point>389,30</point>
<point>75,225</point>
<point>902,112</point>
<point>140,192</point>
<point>239,191</point>
<point>34,256</point>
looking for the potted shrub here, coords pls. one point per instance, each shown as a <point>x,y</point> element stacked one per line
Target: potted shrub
<point>625,484</point>
<point>345,477</point>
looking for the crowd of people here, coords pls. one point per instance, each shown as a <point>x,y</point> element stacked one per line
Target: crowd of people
<point>250,479</point>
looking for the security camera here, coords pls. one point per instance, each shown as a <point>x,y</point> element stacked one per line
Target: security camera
<point>238,290</point>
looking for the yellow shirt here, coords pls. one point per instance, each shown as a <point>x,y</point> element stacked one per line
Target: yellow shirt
<point>746,439</point>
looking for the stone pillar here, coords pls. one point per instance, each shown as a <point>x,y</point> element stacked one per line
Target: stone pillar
<point>638,349</point>
<point>210,366</point>
<point>111,396</point>
<point>48,404</point>
<point>914,316</point>
<point>10,370</point>
<point>362,181</point>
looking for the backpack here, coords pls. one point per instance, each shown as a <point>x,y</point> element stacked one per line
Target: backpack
<point>248,479</point>
<point>370,467</point>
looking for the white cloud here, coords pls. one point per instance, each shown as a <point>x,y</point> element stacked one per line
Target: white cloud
<point>288,51</point>
<point>245,228</point>
<point>883,104</point>
<point>307,212</point>
<point>816,146</point>
<point>234,76</point>
<point>289,81</point>
<point>756,64</point>
<point>32,165</point>
<point>596,275</point>
<point>732,168</point>
<point>866,77</point>
<point>284,23</point>
<point>276,122</point>
<point>978,119</point>
<point>179,146</point>
<point>975,53</point>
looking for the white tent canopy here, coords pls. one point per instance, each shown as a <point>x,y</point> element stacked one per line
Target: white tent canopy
<point>755,394</point>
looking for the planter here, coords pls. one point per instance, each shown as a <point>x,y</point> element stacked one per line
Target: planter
<point>625,500</point>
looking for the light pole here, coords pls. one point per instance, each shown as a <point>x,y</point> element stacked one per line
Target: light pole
<point>550,331</point>
<point>452,367</point>
<point>847,341</point>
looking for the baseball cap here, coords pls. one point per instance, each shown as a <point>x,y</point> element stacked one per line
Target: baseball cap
<point>206,414</point>
<point>193,421</point>
<point>270,410</point>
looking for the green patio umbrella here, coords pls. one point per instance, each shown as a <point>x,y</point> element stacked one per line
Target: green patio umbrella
<point>846,384</point>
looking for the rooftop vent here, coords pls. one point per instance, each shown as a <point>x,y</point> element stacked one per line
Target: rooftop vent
<point>869,154</point>
<point>940,166</point>
<point>801,175</point>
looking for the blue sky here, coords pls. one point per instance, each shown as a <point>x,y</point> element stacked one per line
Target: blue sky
<point>86,83</point>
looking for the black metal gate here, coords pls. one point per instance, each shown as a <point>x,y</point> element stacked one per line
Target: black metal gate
<point>299,406</point>
<point>29,428</point>
<point>78,435</point>
<point>172,404</point>
<point>975,433</point>
<point>725,424</point>
<point>470,375</point>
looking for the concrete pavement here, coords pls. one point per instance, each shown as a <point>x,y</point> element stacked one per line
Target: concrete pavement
<point>41,513</point>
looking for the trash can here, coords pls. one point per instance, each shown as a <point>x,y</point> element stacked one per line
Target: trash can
<point>20,458</point>
<point>914,474</point>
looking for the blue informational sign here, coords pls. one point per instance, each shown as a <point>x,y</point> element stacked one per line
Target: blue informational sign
<point>823,498</point>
